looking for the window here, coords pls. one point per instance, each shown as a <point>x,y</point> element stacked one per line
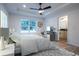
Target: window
<point>32,25</point>
<point>3,20</point>
<point>28,25</point>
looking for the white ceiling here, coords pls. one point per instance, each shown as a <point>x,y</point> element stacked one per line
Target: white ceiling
<point>12,8</point>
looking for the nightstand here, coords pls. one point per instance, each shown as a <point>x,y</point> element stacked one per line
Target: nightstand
<point>8,51</point>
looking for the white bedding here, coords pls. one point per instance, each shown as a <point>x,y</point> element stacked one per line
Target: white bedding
<point>31,43</point>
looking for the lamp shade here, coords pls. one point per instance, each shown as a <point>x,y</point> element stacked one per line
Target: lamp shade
<point>48,28</point>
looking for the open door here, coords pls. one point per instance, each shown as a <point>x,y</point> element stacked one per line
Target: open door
<point>63,29</point>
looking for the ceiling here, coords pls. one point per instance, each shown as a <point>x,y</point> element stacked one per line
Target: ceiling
<point>12,8</point>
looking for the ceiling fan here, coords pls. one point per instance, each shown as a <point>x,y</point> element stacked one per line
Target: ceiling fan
<point>41,10</point>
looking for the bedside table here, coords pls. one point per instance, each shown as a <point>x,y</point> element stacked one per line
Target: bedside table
<point>8,51</point>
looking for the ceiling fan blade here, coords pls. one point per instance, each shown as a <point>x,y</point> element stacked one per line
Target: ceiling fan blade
<point>34,9</point>
<point>47,7</point>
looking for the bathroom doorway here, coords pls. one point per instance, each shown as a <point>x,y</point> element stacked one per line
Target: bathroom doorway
<point>62,30</point>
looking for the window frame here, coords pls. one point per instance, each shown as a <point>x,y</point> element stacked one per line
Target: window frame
<point>28,31</point>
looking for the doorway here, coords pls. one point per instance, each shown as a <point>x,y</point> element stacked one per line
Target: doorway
<point>62,30</point>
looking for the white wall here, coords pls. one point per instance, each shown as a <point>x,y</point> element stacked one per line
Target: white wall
<point>72,11</point>
<point>73,33</point>
<point>14,21</point>
<point>52,21</point>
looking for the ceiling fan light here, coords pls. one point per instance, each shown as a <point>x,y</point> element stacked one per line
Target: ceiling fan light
<point>24,6</point>
<point>40,11</point>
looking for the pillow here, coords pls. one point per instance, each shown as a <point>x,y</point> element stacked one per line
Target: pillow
<point>15,38</point>
<point>10,41</point>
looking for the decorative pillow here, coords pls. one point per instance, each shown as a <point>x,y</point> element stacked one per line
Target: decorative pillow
<point>10,41</point>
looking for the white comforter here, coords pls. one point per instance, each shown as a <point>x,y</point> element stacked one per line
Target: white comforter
<point>31,43</point>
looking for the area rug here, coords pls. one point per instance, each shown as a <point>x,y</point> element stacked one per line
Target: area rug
<point>54,51</point>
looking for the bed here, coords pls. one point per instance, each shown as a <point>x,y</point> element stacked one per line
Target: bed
<point>31,43</point>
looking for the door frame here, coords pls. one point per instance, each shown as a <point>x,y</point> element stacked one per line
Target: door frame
<point>58,26</point>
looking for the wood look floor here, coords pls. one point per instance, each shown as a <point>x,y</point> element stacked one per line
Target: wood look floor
<point>63,44</point>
